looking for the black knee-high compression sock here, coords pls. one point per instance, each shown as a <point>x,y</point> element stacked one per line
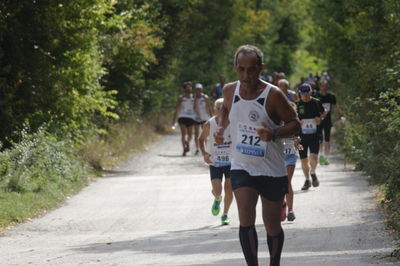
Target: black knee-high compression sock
<point>249,242</point>
<point>275,245</point>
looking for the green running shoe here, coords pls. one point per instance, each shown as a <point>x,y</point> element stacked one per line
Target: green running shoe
<point>322,160</point>
<point>224,219</point>
<point>215,207</point>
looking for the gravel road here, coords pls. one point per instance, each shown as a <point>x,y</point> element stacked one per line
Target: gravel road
<point>155,210</point>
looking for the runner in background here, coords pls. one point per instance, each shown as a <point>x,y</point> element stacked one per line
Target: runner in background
<point>218,157</point>
<point>309,110</point>
<point>216,91</point>
<point>184,111</point>
<point>283,84</point>
<point>328,101</point>
<point>202,110</point>
<point>291,145</point>
<point>275,78</point>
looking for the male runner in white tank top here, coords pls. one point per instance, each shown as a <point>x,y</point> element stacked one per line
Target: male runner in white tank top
<point>218,157</point>
<point>184,111</point>
<point>254,111</point>
<point>202,110</point>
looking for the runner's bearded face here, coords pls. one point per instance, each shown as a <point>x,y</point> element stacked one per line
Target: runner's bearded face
<point>248,69</point>
<point>188,89</point>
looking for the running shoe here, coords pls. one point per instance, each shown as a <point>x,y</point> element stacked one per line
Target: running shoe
<point>291,216</point>
<point>327,162</point>
<point>322,160</point>
<point>315,181</point>
<point>216,207</point>
<point>283,212</point>
<point>307,185</point>
<point>187,146</point>
<point>196,152</point>
<point>225,219</point>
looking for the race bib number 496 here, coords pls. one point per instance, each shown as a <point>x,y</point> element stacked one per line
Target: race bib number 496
<point>249,142</point>
<point>222,157</point>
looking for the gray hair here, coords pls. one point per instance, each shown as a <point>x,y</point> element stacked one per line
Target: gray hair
<point>218,101</point>
<point>249,49</point>
<point>283,81</point>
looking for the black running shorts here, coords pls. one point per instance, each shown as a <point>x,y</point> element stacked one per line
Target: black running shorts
<point>186,121</point>
<point>219,172</point>
<point>200,122</point>
<point>324,131</point>
<point>309,142</point>
<point>271,188</point>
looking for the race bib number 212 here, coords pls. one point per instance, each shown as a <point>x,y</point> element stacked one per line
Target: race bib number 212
<point>249,142</point>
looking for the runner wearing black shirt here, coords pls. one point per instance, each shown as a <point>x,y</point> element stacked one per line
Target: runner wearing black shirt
<point>328,101</point>
<point>309,110</point>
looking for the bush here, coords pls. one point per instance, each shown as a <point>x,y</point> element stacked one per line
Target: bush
<point>39,162</point>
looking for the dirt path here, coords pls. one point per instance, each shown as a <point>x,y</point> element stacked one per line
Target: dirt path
<point>155,210</point>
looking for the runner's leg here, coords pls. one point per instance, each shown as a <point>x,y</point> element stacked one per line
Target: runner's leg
<point>313,162</point>
<point>189,137</point>
<point>306,168</point>
<point>216,188</point>
<point>183,137</point>
<point>246,200</point>
<point>289,195</point>
<point>196,136</point>
<point>228,195</point>
<point>272,222</point>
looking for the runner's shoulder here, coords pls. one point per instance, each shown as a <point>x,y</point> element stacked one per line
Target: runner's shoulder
<point>230,87</point>
<point>315,99</point>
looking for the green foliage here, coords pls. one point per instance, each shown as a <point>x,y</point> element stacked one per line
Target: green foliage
<point>39,162</point>
<point>51,65</point>
<point>361,42</point>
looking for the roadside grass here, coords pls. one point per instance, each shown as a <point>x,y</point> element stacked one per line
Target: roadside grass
<point>17,207</point>
<point>106,151</point>
<point>39,173</point>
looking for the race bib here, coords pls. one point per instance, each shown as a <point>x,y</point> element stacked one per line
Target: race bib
<point>188,111</point>
<point>222,157</point>
<point>309,126</point>
<point>288,146</point>
<point>327,107</point>
<point>249,142</point>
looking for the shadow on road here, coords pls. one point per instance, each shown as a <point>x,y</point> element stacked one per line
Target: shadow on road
<point>310,246</point>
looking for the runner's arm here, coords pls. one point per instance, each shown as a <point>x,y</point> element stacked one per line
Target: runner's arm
<point>177,107</point>
<point>279,107</point>
<point>209,109</point>
<point>337,111</point>
<point>223,123</point>
<point>202,140</point>
<point>203,136</point>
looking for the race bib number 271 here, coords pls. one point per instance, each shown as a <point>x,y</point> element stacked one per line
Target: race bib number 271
<point>249,142</point>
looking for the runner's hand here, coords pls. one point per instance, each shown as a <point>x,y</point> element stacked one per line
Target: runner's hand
<point>219,135</point>
<point>318,120</point>
<point>265,133</point>
<point>207,158</point>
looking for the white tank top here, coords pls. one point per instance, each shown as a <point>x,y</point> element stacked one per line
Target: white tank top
<point>220,153</point>
<point>202,108</point>
<point>187,108</point>
<point>249,152</point>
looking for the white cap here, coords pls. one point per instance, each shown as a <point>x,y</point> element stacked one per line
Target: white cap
<point>198,86</point>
